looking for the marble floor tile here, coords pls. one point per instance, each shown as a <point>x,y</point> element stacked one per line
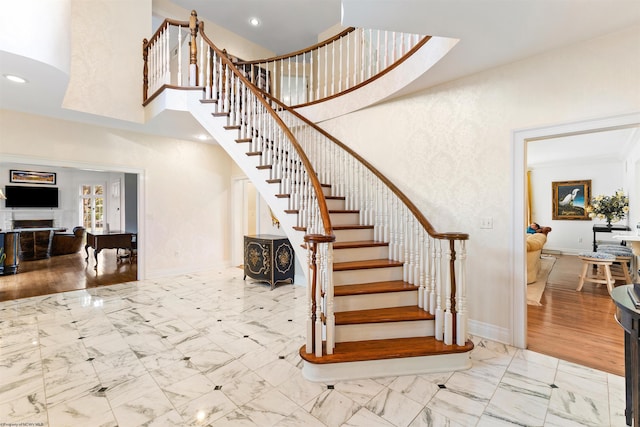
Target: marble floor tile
<point>211,349</point>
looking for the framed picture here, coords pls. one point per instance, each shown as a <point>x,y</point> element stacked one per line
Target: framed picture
<point>570,199</point>
<point>32,177</point>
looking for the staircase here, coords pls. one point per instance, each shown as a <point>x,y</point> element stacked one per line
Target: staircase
<point>384,297</point>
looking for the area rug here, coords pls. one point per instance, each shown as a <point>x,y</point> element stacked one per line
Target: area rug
<point>535,289</point>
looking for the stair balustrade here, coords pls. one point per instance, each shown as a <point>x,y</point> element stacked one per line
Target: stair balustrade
<point>300,158</point>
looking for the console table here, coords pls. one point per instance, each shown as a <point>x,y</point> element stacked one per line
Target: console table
<point>603,228</point>
<point>107,240</point>
<point>629,318</point>
<point>268,258</point>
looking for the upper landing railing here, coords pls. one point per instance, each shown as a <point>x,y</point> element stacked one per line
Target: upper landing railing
<point>335,66</point>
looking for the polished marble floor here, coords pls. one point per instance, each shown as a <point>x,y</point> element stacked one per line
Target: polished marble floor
<point>211,349</point>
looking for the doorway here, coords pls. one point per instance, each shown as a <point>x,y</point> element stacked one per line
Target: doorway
<point>521,139</point>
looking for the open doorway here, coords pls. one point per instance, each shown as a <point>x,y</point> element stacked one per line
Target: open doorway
<point>521,140</point>
<point>110,202</point>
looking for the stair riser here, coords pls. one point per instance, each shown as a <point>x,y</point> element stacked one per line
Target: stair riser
<point>381,331</point>
<point>373,301</point>
<point>344,218</point>
<point>335,204</point>
<point>353,235</point>
<point>360,254</point>
<point>367,275</point>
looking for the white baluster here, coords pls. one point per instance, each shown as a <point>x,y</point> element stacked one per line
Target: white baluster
<point>439,323</point>
<point>330,326</point>
<point>461,319</point>
<point>422,303</point>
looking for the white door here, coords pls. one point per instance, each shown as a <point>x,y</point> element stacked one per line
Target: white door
<point>92,207</point>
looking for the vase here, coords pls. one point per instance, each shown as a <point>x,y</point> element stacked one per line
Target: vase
<point>608,223</point>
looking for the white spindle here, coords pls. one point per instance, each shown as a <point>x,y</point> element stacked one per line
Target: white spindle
<point>448,316</point>
<point>439,321</point>
<point>461,298</point>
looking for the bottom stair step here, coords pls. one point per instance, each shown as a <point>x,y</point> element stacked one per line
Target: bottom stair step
<point>390,357</point>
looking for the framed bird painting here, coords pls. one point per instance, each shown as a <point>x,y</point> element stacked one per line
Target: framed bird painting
<point>570,199</point>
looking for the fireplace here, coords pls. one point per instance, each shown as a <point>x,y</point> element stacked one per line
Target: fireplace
<point>32,223</point>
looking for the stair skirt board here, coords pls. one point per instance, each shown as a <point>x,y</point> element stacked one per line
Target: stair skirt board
<point>367,275</point>
<point>373,301</point>
<point>386,367</point>
<point>383,331</point>
<point>360,254</point>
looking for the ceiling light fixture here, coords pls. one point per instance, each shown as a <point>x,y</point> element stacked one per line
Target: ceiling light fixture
<point>202,137</point>
<point>254,22</point>
<point>15,79</point>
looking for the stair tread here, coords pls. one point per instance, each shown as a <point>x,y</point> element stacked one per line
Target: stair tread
<point>358,244</point>
<point>374,288</point>
<point>367,263</point>
<point>383,315</point>
<point>394,348</point>
<point>352,227</point>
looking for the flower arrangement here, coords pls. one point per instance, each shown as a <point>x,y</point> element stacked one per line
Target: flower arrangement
<point>612,208</point>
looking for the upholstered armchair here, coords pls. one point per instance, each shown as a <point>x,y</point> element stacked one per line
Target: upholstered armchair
<point>67,243</point>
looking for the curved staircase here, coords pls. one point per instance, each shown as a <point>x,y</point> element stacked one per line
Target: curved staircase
<point>384,297</point>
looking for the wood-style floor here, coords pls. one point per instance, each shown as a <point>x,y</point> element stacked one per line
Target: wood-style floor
<point>576,326</point>
<point>66,273</point>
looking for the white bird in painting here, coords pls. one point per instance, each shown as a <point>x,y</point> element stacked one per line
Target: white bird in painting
<point>568,199</point>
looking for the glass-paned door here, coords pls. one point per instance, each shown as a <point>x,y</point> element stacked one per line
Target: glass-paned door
<point>92,206</point>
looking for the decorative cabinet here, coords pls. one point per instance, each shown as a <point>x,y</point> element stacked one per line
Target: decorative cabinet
<point>268,259</point>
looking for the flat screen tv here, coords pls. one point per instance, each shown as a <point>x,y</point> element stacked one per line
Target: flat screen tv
<point>20,196</point>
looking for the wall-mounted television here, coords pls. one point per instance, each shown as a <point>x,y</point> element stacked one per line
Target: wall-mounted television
<point>21,196</point>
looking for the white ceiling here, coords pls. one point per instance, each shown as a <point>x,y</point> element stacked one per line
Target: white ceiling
<point>492,32</point>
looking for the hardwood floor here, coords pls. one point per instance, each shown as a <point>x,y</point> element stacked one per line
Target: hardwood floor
<point>66,273</point>
<point>576,326</point>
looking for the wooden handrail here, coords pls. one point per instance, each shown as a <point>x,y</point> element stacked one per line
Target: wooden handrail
<point>414,210</point>
<point>301,51</point>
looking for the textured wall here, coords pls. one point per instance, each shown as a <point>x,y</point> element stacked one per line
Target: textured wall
<point>449,148</point>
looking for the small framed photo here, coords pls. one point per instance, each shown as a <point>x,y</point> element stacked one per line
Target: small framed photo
<point>570,199</point>
<point>32,177</point>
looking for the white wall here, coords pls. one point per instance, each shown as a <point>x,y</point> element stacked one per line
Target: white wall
<point>68,182</point>
<point>184,186</point>
<point>572,236</point>
<point>449,148</point>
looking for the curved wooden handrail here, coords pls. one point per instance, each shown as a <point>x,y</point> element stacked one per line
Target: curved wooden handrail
<point>372,78</point>
<point>322,203</point>
<point>414,210</point>
<point>301,51</point>
<point>327,42</point>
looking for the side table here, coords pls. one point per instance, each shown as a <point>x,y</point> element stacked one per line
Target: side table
<point>268,258</point>
<point>628,317</point>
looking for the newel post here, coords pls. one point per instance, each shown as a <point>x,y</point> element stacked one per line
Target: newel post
<point>452,284</point>
<point>193,51</point>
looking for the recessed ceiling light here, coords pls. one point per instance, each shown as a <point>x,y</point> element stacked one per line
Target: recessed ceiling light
<point>202,137</point>
<point>254,21</point>
<point>15,79</point>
